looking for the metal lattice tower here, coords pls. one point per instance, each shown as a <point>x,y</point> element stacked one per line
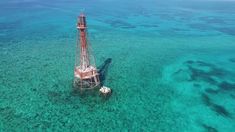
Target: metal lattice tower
<point>85,73</point>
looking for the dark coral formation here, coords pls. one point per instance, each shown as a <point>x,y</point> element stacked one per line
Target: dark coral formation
<point>228,31</point>
<point>212,20</point>
<point>149,25</point>
<point>225,86</point>
<point>199,74</point>
<point>211,91</point>
<point>215,107</point>
<point>209,128</point>
<point>10,25</point>
<point>232,60</point>
<point>119,24</point>
<point>204,72</point>
<point>200,26</point>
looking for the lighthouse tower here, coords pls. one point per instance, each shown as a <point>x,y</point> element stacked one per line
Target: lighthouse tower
<point>85,73</point>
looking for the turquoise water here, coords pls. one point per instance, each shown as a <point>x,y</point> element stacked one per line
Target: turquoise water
<point>172,69</point>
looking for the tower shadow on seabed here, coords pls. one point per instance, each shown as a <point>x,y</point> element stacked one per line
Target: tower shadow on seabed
<point>103,71</point>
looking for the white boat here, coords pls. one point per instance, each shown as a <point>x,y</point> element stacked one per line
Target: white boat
<point>105,90</point>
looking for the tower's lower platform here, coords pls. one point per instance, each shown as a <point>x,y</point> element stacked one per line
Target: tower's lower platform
<point>86,79</point>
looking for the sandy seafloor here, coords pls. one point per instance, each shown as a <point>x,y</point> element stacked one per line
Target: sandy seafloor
<point>172,69</point>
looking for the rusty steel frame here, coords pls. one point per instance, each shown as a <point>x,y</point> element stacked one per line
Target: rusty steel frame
<point>86,75</point>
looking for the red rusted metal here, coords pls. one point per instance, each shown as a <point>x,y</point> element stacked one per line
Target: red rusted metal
<point>85,74</point>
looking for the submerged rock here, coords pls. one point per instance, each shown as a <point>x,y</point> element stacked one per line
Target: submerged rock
<point>211,91</point>
<point>209,128</point>
<point>221,110</point>
<point>215,107</point>
<point>226,86</point>
<point>232,60</point>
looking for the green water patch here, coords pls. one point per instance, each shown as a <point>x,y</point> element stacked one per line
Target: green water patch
<point>206,87</point>
<point>11,121</point>
<point>37,85</point>
<point>154,87</point>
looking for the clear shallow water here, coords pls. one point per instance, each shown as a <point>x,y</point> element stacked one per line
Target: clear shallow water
<point>172,66</point>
